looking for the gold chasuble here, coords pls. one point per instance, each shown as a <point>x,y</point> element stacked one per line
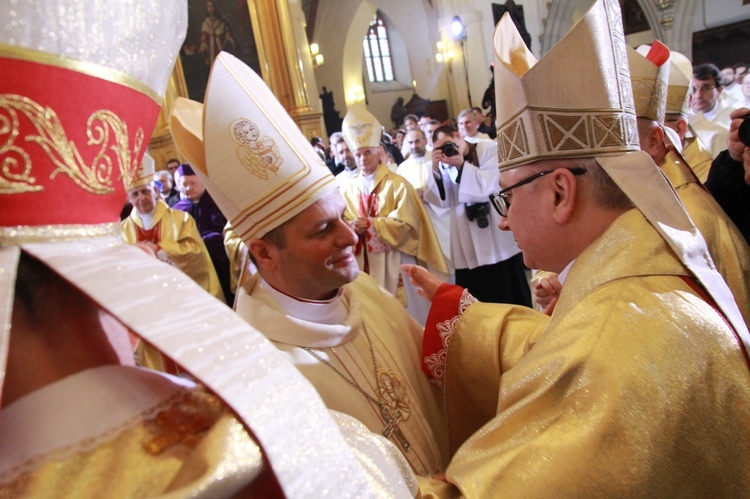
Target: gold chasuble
<point>177,235</point>
<point>399,222</point>
<point>634,387</point>
<point>127,431</point>
<point>697,157</point>
<point>370,358</point>
<point>728,248</point>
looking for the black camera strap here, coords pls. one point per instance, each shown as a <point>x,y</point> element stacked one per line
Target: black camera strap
<point>471,158</point>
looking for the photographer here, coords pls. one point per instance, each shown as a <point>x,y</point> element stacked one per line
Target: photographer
<point>728,180</point>
<point>487,261</point>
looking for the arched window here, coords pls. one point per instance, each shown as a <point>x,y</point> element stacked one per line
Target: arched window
<point>378,51</point>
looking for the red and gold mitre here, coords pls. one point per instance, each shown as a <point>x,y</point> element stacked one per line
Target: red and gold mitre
<point>251,156</point>
<point>78,103</point>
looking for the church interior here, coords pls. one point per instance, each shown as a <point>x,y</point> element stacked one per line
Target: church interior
<point>435,56</point>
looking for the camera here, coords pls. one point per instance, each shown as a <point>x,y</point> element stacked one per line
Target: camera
<point>479,212</point>
<point>449,149</point>
<point>744,130</point>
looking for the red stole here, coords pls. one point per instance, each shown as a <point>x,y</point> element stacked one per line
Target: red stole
<point>368,207</point>
<point>152,235</point>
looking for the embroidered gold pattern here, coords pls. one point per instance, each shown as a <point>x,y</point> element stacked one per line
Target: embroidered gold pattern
<point>394,393</point>
<point>184,422</point>
<point>566,132</point>
<point>619,50</point>
<point>257,153</point>
<point>23,234</point>
<point>64,154</point>
<point>361,133</point>
<point>649,95</point>
<point>512,141</point>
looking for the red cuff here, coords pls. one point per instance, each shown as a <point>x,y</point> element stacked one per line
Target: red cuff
<point>445,306</point>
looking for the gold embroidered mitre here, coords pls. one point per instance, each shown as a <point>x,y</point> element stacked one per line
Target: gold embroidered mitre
<point>575,102</point>
<point>140,176</point>
<point>680,73</point>
<point>541,118</point>
<point>361,128</point>
<point>649,72</point>
<point>251,156</point>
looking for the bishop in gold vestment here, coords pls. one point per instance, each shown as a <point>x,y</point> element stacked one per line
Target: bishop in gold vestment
<point>399,224</point>
<point>638,384</point>
<point>177,236</point>
<point>728,248</point>
<point>634,387</point>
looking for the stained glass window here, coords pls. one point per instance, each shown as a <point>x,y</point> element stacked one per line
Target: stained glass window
<point>378,51</point>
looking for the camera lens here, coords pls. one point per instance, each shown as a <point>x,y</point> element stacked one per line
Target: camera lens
<point>449,149</point>
<point>744,130</point>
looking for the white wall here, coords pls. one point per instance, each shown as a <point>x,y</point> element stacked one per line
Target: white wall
<point>339,30</point>
<point>714,13</point>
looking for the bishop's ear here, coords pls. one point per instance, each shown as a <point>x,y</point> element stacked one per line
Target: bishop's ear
<point>565,187</point>
<point>262,253</point>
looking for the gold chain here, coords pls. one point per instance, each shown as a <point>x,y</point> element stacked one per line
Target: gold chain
<point>391,418</point>
<point>350,380</point>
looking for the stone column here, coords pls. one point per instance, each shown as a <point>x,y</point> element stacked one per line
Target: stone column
<point>161,145</point>
<point>282,59</point>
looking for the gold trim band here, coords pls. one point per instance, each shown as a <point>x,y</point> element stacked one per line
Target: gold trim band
<point>26,234</point>
<point>83,67</point>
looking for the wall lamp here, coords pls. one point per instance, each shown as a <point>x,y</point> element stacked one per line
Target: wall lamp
<point>317,57</point>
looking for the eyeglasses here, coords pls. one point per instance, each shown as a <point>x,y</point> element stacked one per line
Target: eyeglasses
<point>500,200</point>
<point>704,89</point>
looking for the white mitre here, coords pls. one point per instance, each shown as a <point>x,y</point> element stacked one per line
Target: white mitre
<point>253,158</point>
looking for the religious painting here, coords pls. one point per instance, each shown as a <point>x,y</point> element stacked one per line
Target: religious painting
<point>215,26</point>
<point>633,18</point>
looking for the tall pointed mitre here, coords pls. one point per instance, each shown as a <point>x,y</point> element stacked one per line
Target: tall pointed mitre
<point>593,117</point>
<point>360,128</point>
<point>539,117</point>
<point>79,97</point>
<point>649,72</point>
<point>680,73</point>
<point>254,160</point>
<point>143,175</point>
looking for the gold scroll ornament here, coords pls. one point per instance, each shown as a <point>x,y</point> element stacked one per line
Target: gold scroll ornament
<point>16,165</point>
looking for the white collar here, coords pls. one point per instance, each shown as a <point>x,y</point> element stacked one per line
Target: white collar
<point>330,312</point>
<point>712,113</point>
<point>148,218</point>
<point>367,181</point>
<point>564,274</point>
